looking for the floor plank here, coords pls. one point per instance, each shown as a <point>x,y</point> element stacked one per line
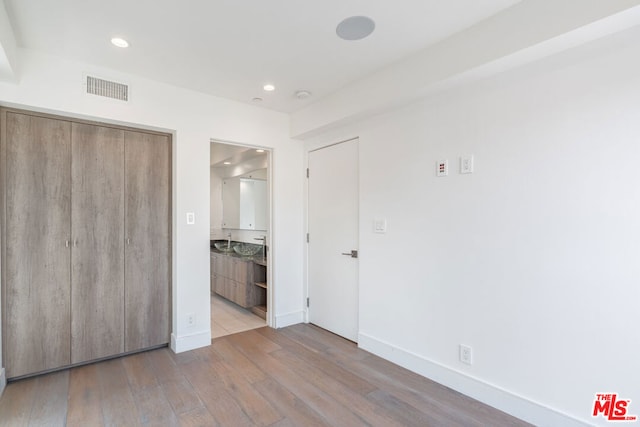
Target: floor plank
<point>331,410</point>
<point>250,371</point>
<point>287,403</point>
<point>139,372</point>
<point>84,405</point>
<point>296,376</point>
<point>118,406</point>
<point>181,396</point>
<point>50,400</point>
<point>199,417</point>
<point>248,398</point>
<point>153,407</point>
<point>337,389</point>
<point>407,414</point>
<point>163,366</point>
<point>224,409</point>
<point>320,361</point>
<point>16,403</point>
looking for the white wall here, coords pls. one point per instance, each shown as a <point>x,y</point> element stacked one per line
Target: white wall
<point>215,201</point>
<point>532,260</point>
<point>55,85</point>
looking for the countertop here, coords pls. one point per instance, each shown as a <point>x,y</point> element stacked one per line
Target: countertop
<point>258,259</point>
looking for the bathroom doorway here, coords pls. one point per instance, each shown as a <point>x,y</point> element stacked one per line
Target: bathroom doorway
<point>240,218</point>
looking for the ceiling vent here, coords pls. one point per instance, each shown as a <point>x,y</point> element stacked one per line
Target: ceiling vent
<point>106,88</point>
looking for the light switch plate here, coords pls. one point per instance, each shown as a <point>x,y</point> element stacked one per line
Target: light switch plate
<point>191,218</point>
<point>442,168</point>
<point>466,164</point>
<point>379,225</point>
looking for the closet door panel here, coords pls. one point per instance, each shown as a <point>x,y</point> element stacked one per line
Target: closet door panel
<point>97,225</point>
<point>147,230</point>
<point>36,270</point>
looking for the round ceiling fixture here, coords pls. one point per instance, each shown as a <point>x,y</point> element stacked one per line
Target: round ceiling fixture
<point>355,28</point>
<point>257,99</point>
<point>269,87</point>
<point>226,163</point>
<point>259,150</point>
<point>303,94</point>
<point>117,41</point>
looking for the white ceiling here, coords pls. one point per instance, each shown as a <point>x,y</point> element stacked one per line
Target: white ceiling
<point>230,48</point>
<point>235,154</point>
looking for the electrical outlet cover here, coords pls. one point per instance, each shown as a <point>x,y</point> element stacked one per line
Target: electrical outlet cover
<point>466,354</point>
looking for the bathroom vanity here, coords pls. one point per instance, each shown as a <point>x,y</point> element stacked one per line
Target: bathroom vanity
<point>241,280</point>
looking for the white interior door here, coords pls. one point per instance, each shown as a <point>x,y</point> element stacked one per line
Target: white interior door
<point>333,235</point>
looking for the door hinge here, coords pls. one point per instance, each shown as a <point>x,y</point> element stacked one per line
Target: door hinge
<point>307,237</point>
<point>307,302</point>
<point>307,172</point>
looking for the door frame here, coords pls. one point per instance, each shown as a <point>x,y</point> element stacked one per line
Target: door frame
<point>271,289</point>
<point>309,148</point>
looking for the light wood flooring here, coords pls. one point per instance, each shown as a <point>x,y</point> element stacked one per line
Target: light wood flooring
<point>229,318</point>
<point>296,376</point>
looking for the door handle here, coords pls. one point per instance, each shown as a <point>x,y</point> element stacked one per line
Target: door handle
<point>352,254</point>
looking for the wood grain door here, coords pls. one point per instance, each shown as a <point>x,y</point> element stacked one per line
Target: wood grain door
<point>147,233</point>
<point>36,235</point>
<point>97,231</point>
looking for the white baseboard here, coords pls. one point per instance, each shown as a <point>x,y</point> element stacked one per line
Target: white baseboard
<point>489,394</point>
<point>288,319</point>
<point>191,341</point>
<point>3,381</point>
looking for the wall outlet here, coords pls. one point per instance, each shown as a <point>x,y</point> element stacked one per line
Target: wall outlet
<point>191,320</point>
<point>466,354</point>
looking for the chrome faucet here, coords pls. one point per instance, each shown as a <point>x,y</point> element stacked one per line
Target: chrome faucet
<point>264,244</point>
<point>229,241</point>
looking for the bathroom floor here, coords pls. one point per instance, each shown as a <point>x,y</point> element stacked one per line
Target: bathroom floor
<point>227,318</point>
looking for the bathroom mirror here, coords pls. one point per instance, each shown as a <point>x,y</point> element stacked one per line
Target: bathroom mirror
<point>244,203</point>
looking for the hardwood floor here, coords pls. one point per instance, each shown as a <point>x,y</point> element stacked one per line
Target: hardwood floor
<point>296,376</point>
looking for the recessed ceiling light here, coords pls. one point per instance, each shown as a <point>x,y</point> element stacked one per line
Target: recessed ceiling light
<point>355,28</point>
<point>259,151</point>
<point>257,99</point>
<point>269,87</point>
<point>117,41</point>
<point>226,163</point>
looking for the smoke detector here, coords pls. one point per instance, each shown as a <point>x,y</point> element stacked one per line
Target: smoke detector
<point>303,94</point>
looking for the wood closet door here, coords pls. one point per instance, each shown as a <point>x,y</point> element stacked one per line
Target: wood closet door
<point>36,272</point>
<point>147,232</point>
<point>97,230</point>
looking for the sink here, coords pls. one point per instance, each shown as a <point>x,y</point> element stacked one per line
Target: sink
<point>223,247</point>
<point>247,249</point>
